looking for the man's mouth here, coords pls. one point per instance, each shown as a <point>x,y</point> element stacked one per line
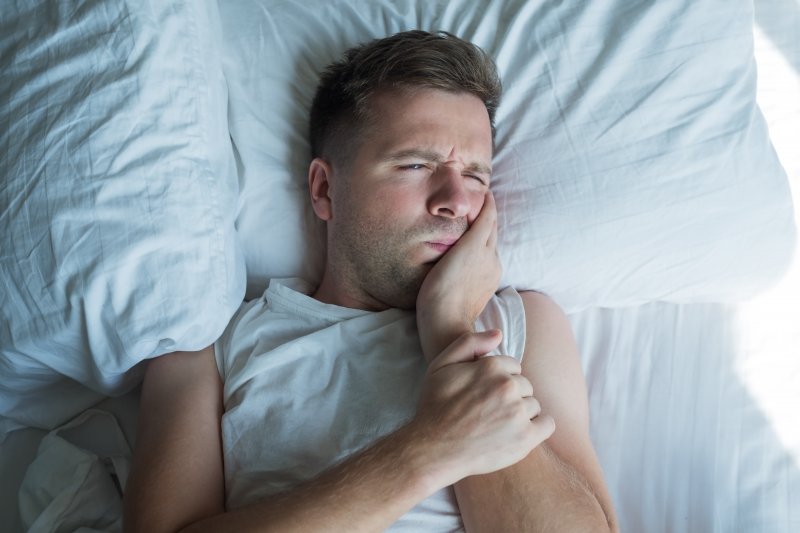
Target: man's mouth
<point>442,244</point>
<point>439,246</point>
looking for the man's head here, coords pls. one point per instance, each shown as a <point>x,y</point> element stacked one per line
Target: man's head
<point>340,113</point>
<point>402,135</point>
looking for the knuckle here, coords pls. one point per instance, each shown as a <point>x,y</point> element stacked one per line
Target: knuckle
<point>506,387</point>
<point>536,407</point>
<point>544,426</point>
<point>509,364</point>
<point>491,364</point>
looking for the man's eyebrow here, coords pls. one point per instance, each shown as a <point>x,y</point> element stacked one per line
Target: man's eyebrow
<point>434,157</point>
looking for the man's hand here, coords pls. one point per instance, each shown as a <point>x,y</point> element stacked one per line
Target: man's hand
<point>478,413</point>
<point>457,288</point>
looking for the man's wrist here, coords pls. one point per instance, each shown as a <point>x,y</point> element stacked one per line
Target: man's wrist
<point>438,330</point>
<point>424,465</point>
<point>427,461</point>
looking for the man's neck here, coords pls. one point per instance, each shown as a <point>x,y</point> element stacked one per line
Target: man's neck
<point>337,292</point>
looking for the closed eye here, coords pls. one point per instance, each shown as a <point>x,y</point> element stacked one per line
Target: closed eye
<point>476,178</point>
<point>413,166</point>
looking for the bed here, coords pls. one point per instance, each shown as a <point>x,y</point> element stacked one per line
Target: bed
<point>646,171</point>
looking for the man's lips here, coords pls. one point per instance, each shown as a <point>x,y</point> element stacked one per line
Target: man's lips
<point>439,247</point>
<point>442,244</point>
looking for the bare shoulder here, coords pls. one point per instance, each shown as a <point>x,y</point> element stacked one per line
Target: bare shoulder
<point>183,366</point>
<point>177,444</point>
<point>547,327</point>
<point>540,306</point>
<point>552,363</point>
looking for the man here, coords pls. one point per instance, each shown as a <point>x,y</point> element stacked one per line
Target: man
<point>368,402</point>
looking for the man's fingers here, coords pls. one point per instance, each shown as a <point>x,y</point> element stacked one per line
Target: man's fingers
<point>467,347</point>
<point>532,407</point>
<point>524,385</point>
<point>492,242</point>
<point>543,426</point>
<point>487,219</point>
<point>481,229</point>
<point>501,363</point>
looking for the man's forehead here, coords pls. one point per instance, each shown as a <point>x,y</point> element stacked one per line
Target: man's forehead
<point>431,121</point>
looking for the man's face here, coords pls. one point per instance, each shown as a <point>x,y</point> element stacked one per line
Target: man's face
<point>413,187</point>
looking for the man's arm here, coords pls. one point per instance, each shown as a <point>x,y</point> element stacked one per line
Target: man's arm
<point>177,481</point>
<point>177,476</point>
<point>559,486</point>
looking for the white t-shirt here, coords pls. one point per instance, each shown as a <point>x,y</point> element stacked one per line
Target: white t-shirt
<point>308,384</point>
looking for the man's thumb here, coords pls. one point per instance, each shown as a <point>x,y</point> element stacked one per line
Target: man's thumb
<point>467,347</point>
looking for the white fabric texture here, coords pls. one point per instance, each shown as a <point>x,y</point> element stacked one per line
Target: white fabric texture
<point>685,443</point>
<point>117,197</point>
<point>308,384</point>
<point>68,488</point>
<point>632,162</point>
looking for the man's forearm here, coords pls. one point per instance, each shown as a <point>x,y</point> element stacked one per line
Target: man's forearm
<point>367,492</point>
<point>541,493</point>
<point>177,483</point>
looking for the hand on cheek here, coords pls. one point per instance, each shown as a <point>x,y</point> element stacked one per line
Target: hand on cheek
<point>457,288</point>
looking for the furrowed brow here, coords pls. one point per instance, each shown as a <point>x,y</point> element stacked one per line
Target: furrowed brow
<point>434,157</point>
<point>425,155</point>
<point>479,168</point>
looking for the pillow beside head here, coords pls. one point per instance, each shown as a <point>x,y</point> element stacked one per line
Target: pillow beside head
<point>119,191</point>
<point>632,163</point>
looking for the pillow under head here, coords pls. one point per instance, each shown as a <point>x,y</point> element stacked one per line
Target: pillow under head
<point>632,162</point>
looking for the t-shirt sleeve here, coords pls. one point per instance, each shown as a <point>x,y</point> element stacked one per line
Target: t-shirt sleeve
<point>506,312</point>
<point>222,346</point>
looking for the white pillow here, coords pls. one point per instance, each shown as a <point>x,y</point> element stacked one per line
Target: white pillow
<point>118,194</point>
<point>632,162</point>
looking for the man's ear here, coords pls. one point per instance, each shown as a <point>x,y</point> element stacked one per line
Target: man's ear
<point>319,176</point>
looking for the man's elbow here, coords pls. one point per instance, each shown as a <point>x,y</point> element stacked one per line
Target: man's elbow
<point>591,517</point>
<point>594,523</point>
<point>601,522</point>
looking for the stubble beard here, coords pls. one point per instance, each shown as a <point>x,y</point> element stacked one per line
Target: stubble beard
<point>375,257</point>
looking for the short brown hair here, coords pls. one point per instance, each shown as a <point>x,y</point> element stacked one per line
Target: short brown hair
<point>405,61</point>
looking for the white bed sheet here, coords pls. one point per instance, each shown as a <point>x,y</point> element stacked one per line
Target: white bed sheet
<point>683,433</point>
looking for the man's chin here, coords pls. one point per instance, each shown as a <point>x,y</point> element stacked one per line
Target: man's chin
<point>397,287</point>
<point>406,295</point>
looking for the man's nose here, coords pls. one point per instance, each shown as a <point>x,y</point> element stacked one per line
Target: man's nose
<point>448,196</point>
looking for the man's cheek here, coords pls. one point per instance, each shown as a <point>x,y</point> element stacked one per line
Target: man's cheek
<point>473,214</point>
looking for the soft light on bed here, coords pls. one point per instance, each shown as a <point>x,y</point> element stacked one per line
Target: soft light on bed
<point>769,325</point>
<point>767,364</point>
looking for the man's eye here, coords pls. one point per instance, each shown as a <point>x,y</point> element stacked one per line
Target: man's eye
<point>477,178</point>
<point>413,166</point>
